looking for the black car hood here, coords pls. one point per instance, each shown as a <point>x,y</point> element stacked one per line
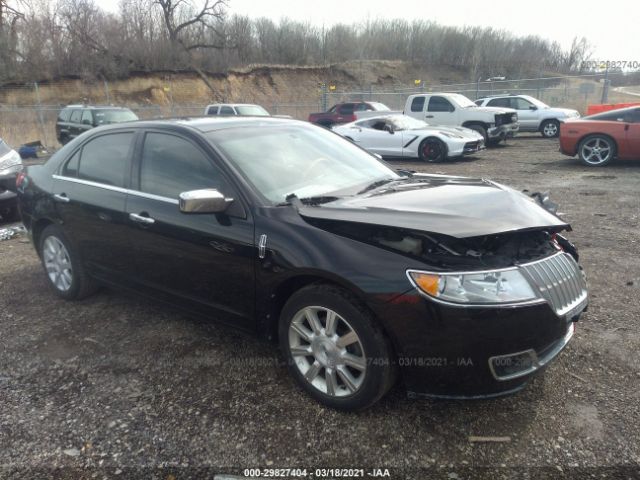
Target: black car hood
<point>456,206</point>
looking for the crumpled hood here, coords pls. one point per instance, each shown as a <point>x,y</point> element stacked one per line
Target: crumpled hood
<point>456,206</point>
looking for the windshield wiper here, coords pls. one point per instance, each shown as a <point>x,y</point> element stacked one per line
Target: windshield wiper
<point>292,199</point>
<point>377,184</point>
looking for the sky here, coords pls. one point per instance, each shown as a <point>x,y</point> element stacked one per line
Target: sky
<point>611,27</point>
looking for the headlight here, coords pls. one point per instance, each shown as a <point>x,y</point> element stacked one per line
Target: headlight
<point>450,135</point>
<point>491,287</point>
<point>10,163</point>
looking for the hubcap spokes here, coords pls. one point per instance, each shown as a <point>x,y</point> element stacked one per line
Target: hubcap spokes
<point>57,263</point>
<point>596,151</point>
<point>327,351</point>
<point>550,129</point>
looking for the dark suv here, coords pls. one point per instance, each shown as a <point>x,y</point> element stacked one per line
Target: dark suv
<point>74,120</point>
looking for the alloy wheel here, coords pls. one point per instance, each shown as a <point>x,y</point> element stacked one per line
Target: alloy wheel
<point>432,151</point>
<point>57,263</point>
<point>550,129</point>
<point>327,351</point>
<point>596,151</point>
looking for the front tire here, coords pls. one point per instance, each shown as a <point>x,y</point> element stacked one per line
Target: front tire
<point>335,349</point>
<point>432,150</point>
<point>550,129</point>
<point>64,270</point>
<point>596,150</point>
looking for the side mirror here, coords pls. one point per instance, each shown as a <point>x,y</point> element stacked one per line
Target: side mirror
<point>208,200</point>
<point>532,107</point>
<point>389,129</point>
<point>452,108</point>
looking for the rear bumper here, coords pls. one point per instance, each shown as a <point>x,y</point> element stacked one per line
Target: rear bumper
<point>8,196</point>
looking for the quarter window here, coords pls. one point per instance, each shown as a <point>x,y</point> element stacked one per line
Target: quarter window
<point>172,165</point>
<point>440,104</point>
<point>105,159</point>
<point>64,115</point>
<point>70,168</point>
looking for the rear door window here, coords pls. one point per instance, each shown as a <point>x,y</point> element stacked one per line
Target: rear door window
<point>346,109</point>
<point>417,104</point>
<point>76,115</point>
<point>212,110</point>
<point>105,159</point>
<point>500,102</point>
<point>87,117</point>
<point>227,111</point>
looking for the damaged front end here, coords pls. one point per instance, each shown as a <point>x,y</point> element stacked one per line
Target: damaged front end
<point>443,252</point>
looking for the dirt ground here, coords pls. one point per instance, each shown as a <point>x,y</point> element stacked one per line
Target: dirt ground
<point>120,387</point>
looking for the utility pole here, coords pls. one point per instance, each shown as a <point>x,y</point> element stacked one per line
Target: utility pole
<point>605,87</point>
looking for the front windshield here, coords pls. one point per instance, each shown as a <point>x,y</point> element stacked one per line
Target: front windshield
<point>379,106</point>
<point>404,122</point>
<point>462,101</point>
<point>104,117</point>
<point>536,102</point>
<point>253,110</point>
<point>301,160</point>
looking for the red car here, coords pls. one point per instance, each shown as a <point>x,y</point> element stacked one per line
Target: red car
<point>599,139</point>
<point>345,113</point>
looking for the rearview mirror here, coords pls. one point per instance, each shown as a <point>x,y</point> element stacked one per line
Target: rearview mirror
<point>208,200</point>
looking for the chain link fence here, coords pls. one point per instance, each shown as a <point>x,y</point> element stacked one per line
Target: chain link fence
<point>28,112</point>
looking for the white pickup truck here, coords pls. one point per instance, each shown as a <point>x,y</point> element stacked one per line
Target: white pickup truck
<point>494,124</point>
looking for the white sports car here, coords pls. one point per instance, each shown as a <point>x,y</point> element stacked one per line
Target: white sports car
<point>403,136</point>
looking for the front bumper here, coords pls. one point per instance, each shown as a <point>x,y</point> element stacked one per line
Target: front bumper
<point>507,130</point>
<point>460,148</point>
<point>458,352</point>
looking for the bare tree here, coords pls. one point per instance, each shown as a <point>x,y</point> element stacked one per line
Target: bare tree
<point>191,27</point>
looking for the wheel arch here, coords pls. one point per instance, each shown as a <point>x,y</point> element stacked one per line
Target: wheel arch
<point>283,291</point>
<point>475,122</point>
<point>37,229</point>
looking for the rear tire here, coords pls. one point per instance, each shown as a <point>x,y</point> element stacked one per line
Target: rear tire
<point>65,273</point>
<point>596,150</point>
<point>550,129</point>
<point>335,349</point>
<point>432,150</point>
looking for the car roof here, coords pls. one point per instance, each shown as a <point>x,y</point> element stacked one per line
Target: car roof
<point>234,105</point>
<point>97,107</point>
<point>209,123</point>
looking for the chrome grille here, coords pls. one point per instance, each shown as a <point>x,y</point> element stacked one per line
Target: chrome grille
<point>559,281</point>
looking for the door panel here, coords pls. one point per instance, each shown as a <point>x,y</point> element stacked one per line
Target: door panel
<point>381,141</point>
<point>89,193</point>
<point>204,261</point>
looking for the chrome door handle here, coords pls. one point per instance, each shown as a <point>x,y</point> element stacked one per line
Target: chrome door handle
<point>61,197</point>
<point>141,219</point>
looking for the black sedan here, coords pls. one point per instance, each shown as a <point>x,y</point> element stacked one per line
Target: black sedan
<point>462,286</point>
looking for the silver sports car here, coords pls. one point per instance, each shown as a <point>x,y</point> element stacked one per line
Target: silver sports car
<point>402,136</point>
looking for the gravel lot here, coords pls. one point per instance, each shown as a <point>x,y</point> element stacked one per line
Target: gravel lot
<point>117,386</point>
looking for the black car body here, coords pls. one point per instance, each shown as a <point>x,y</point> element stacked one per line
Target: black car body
<point>10,166</point>
<point>255,262</point>
<point>74,120</point>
